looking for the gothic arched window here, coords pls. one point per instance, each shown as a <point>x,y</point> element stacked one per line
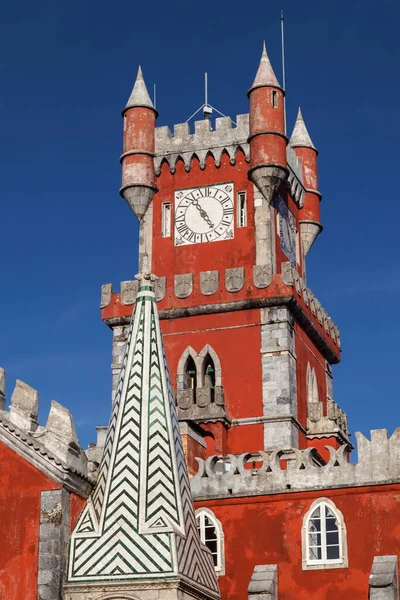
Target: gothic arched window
<point>211,534</point>
<point>324,537</point>
<point>190,374</point>
<point>209,372</point>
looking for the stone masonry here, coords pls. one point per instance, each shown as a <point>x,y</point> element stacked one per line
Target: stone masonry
<point>278,378</point>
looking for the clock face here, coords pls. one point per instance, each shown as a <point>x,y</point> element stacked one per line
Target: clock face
<point>287,230</point>
<point>204,214</point>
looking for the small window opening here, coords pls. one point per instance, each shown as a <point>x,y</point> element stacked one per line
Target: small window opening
<point>209,372</point>
<point>166,219</point>
<point>274,99</point>
<point>241,209</point>
<point>190,380</point>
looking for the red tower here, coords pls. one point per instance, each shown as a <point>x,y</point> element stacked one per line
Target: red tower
<point>232,213</point>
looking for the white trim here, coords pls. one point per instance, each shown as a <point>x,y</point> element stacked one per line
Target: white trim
<point>324,562</point>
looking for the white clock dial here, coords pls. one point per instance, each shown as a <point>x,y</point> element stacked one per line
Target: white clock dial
<point>204,214</point>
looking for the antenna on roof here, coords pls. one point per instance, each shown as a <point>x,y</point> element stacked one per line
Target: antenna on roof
<point>206,107</point>
<point>283,66</point>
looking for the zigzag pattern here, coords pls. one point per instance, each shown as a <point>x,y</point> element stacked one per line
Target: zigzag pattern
<point>161,500</point>
<point>146,523</point>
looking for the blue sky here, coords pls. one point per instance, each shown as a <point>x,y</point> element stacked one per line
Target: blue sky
<point>67,70</point>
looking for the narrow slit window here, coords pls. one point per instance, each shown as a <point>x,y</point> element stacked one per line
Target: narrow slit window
<point>166,219</point>
<point>274,99</point>
<point>241,209</point>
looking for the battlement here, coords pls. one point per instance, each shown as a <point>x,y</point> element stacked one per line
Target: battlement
<point>287,470</point>
<point>204,142</point>
<point>53,448</point>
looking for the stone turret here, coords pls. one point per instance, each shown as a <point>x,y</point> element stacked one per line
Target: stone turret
<point>310,226</point>
<point>138,174</point>
<point>268,164</point>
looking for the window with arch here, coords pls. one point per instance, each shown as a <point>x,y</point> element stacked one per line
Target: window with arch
<point>190,374</point>
<point>211,534</point>
<point>209,372</point>
<point>324,536</point>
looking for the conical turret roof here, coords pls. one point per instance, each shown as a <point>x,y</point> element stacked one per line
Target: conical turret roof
<point>300,136</point>
<point>139,522</point>
<point>265,75</point>
<point>139,95</point>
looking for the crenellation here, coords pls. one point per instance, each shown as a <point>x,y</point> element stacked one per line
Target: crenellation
<point>378,464</point>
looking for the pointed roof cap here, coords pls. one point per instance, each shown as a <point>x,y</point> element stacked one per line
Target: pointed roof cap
<point>139,523</point>
<point>265,75</point>
<point>139,95</point>
<point>300,136</point>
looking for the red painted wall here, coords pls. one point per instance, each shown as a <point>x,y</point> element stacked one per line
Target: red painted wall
<point>240,251</point>
<point>236,339</point>
<point>20,487</point>
<point>267,530</point>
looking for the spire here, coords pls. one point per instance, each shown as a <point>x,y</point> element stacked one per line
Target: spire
<point>265,74</point>
<point>139,523</point>
<point>300,136</point>
<point>140,95</point>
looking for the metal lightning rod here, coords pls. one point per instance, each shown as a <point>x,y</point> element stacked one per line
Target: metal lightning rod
<point>283,66</point>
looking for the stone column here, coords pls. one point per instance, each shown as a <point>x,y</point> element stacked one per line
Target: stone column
<point>278,378</point>
<point>53,543</point>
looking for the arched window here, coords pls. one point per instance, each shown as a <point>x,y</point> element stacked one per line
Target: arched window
<point>211,534</point>
<point>190,374</point>
<point>209,372</point>
<point>324,537</point>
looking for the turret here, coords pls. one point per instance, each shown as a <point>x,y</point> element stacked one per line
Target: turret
<point>138,174</point>
<point>310,225</point>
<point>267,130</point>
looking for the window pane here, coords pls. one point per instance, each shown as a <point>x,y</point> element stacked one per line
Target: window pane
<point>212,545</point>
<point>314,553</point>
<point>315,525</point>
<point>332,552</point>
<point>317,513</point>
<point>331,524</point>
<point>332,538</point>
<point>314,539</point>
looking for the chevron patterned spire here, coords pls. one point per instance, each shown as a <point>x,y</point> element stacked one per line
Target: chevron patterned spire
<point>139,522</point>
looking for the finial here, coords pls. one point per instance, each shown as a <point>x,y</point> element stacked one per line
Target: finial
<point>145,274</point>
<point>265,74</point>
<point>140,95</point>
<point>300,136</point>
<point>264,52</point>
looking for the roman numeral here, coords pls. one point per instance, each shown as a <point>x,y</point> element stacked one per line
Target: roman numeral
<point>228,211</point>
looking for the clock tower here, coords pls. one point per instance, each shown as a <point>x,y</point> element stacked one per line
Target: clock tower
<point>228,213</point>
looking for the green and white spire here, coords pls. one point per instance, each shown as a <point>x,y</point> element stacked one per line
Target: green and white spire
<point>139,522</point>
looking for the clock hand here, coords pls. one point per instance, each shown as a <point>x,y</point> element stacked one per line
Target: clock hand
<point>203,213</point>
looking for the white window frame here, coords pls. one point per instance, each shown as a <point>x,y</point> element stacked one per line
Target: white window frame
<point>201,513</point>
<point>324,562</point>
<point>274,98</point>
<point>166,227</point>
<point>241,215</point>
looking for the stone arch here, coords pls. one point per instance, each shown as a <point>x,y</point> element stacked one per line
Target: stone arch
<point>208,350</point>
<point>189,351</point>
